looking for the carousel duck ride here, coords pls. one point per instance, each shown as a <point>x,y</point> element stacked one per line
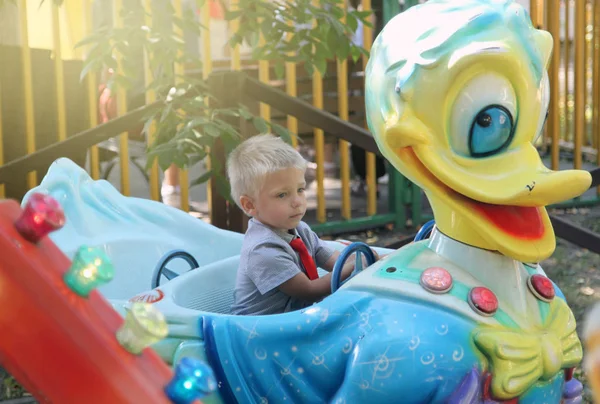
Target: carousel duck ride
<point>457,95</point>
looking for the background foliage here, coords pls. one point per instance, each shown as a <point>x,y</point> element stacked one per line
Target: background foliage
<point>186,126</point>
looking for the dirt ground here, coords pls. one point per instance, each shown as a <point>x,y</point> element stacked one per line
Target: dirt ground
<point>575,270</point>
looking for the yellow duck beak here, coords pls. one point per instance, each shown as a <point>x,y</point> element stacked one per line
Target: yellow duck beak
<point>515,178</point>
<point>500,199</point>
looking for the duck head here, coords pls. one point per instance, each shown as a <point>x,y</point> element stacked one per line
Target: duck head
<point>456,96</point>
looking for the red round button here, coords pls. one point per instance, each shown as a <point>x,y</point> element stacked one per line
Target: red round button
<point>436,280</point>
<point>483,301</point>
<point>541,287</point>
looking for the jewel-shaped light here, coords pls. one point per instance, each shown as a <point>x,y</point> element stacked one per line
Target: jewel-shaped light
<point>193,380</point>
<point>144,325</point>
<point>91,268</point>
<point>42,214</point>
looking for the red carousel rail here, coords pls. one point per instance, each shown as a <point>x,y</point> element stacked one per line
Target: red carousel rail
<point>60,338</point>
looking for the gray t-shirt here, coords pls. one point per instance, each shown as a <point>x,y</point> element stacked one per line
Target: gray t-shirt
<point>267,260</point>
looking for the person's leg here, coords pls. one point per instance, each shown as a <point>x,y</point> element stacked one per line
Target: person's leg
<point>172,176</point>
<point>380,168</point>
<point>329,163</point>
<point>359,163</point>
<point>170,189</point>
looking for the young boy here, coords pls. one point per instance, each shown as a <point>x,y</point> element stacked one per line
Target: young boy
<point>280,253</point>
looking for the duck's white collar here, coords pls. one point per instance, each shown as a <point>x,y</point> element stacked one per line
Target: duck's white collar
<point>466,256</point>
<point>504,276</point>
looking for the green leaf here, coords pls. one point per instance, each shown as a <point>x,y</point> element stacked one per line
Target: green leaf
<point>310,69</point>
<point>202,178</point>
<point>93,38</point>
<point>332,40</point>
<point>283,133</point>
<point>189,145</point>
<point>322,51</point>
<point>212,130</point>
<point>355,52</point>
<point>338,27</point>
<point>232,15</point>
<point>197,157</point>
<point>342,51</point>
<point>260,124</point>
<point>279,69</point>
<point>90,66</point>
<point>215,162</point>
<point>244,113</point>
<point>321,66</point>
<point>197,122</point>
<point>352,22</point>
<point>307,51</point>
<point>148,125</point>
<point>266,26</point>
<point>185,126</point>
<point>230,142</point>
<point>363,15</point>
<point>222,185</point>
<point>166,158</point>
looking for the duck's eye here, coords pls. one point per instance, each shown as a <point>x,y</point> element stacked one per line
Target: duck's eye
<point>491,131</point>
<point>483,116</point>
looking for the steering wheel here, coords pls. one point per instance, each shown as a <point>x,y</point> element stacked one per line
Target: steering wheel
<point>425,231</point>
<point>161,267</point>
<point>360,249</point>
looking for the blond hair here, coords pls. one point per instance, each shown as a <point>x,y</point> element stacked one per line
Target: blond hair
<point>254,158</point>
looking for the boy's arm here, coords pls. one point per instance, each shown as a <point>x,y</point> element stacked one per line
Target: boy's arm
<point>325,256</point>
<point>301,287</point>
<point>270,267</point>
<point>328,265</point>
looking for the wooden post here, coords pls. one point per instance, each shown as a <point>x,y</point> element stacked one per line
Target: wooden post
<point>227,90</point>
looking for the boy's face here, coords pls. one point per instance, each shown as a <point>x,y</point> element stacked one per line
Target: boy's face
<point>281,202</point>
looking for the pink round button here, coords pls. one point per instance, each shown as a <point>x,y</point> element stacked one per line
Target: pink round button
<point>436,280</point>
<point>541,287</point>
<point>483,301</point>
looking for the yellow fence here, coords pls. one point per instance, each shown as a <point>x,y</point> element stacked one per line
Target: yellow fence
<point>236,61</point>
<point>573,123</point>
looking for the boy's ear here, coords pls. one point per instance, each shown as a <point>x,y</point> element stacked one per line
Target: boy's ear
<point>247,205</point>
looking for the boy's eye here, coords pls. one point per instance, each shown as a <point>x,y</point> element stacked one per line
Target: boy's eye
<point>281,195</point>
<point>300,190</point>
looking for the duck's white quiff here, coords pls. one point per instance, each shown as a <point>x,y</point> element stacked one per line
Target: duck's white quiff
<point>254,158</point>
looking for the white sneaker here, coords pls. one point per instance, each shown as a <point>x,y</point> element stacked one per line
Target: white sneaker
<point>171,195</point>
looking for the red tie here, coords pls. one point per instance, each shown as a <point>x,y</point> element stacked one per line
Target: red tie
<point>307,261</point>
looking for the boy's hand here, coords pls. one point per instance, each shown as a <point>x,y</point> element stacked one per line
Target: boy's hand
<point>328,266</point>
<point>348,268</point>
<point>377,257</point>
